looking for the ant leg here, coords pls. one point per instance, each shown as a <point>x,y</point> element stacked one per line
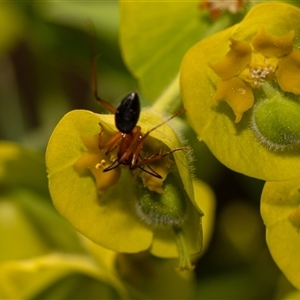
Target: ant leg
<point>174,150</point>
<point>158,156</point>
<point>116,163</point>
<point>92,32</point>
<point>112,143</point>
<point>153,173</point>
<point>137,145</point>
<point>112,166</point>
<point>132,147</point>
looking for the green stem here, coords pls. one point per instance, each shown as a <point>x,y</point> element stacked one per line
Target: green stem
<point>169,101</point>
<point>184,258</point>
<point>271,91</point>
<point>268,89</point>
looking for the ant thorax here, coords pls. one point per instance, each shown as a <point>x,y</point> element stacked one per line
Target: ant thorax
<point>139,152</point>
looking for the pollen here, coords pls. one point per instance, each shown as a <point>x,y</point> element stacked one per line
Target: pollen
<point>258,75</point>
<point>101,165</point>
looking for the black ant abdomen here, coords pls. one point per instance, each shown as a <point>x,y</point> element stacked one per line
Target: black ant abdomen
<point>128,113</point>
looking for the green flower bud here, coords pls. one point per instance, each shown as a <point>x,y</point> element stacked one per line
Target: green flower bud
<point>275,120</point>
<point>166,209</point>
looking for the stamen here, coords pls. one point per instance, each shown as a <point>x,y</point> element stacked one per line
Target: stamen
<point>101,165</point>
<point>259,74</point>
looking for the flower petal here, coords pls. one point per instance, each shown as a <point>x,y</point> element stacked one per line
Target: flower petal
<point>94,159</point>
<point>280,213</point>
<point>237,94</point>
<point>235,61</point>
<point>288,73</point>
<point>108,219</point>
<point>271,45</point>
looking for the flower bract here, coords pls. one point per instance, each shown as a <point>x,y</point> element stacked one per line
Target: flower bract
<point>103,205</point>
<point>280,209</point>
<point>225,76</point>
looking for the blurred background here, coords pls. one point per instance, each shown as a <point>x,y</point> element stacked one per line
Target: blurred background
<point>45,72</point>
<point>45,69</point>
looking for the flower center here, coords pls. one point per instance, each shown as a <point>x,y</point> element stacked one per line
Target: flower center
<point>247,66</point>
<point>258,75</point>
<point>259,70</point>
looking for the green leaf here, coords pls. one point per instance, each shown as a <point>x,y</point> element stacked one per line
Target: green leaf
<point>292,295</point>
<point>20,167</point>
<point>13,22</point>
<point>40,277</point>
<point>280,209</point>
<point>29,225</point>
<point>233,144</point>
<point>19,238</point>
<point>165,284</point>
<point>103,14</point>
<point>154,39</point>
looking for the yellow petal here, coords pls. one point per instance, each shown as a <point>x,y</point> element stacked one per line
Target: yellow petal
<point>237,94</point>
<point>95,160</point>
<point>271,45</point>
<point>162,167</point>
<point>235,61</point>
<point>260,61</point>
<point>288,73</point>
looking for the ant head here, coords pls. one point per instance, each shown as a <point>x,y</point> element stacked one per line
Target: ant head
<point>127,113</point>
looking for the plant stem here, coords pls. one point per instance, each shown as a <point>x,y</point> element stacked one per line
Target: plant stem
<point>184,258</point>
<point>169,101</point>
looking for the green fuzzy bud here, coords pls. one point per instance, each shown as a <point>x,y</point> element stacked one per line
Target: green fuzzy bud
<point>167,209</point>
<point>276,120</point>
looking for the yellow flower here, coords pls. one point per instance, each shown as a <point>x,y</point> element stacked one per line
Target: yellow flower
<point>248,65</point>
<point>288,72</point>
<point>125,210</point>
<point>271,77</point>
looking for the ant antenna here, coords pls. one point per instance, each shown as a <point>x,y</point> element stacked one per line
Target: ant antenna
<point>164,122</point>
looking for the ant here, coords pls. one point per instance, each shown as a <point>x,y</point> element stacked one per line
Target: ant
<point>129,139</point>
